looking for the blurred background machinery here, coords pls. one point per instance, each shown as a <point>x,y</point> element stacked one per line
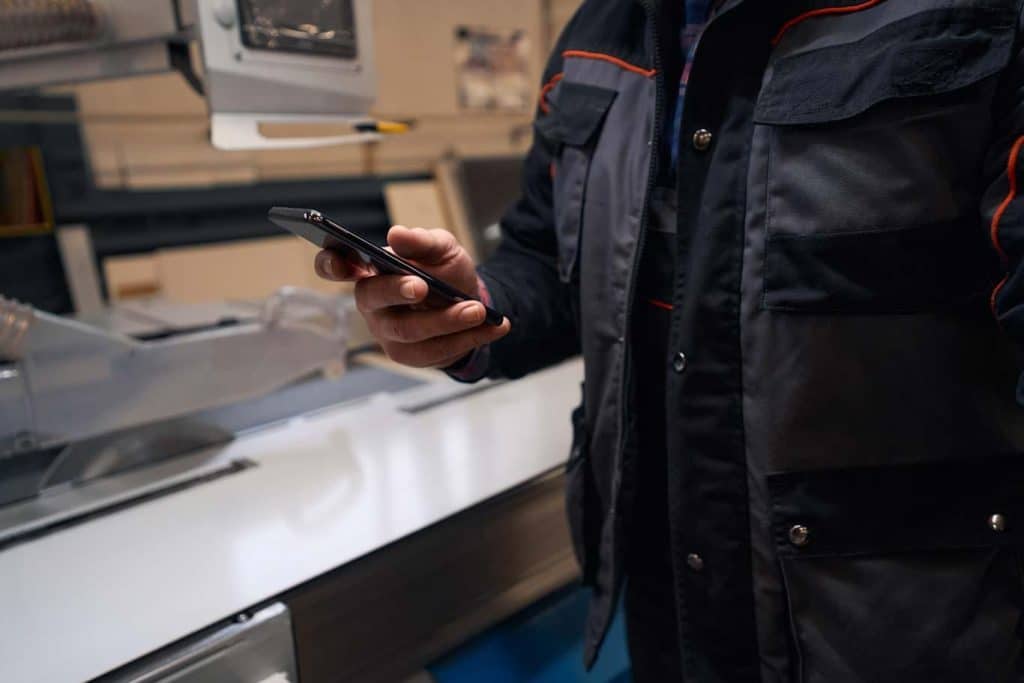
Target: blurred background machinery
<point>260,59</point>
<point>41,23</point>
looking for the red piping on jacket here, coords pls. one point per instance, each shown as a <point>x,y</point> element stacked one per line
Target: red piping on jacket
<point>660,304</point>
<point>1011,194</point>
<point>824,11</point>
<point>614,60</point>
<point>543,102</point>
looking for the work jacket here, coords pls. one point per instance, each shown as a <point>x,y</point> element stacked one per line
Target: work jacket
<point>842,384</point>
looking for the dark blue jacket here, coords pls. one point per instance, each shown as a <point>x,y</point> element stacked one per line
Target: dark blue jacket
<point>844,442</point>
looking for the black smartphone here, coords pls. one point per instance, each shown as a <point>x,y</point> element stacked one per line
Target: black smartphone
<point>313,226</point>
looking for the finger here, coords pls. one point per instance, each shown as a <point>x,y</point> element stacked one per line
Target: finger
<point>440,351</point>
<point>326,268</point>
<point>430,247</point>
<point>410,326</point>
<point>383,291</point>
<point>331,265</point>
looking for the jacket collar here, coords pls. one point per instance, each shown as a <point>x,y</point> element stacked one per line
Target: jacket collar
<point>652,6</point>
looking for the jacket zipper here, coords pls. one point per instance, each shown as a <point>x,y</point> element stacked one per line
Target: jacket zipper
<point>655,141</point>
<point>650,7</point>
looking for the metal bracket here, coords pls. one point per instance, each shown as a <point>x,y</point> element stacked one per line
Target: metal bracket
<point>233,132</point>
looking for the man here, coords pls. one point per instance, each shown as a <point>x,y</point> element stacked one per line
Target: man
<point>799,449</point>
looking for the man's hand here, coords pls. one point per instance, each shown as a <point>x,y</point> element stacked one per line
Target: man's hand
<point>396,308</point>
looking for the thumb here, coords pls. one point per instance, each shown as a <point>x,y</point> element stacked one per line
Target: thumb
<point>429,247</point>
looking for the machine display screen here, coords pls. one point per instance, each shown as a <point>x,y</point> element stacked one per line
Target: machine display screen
<point>318,27</point>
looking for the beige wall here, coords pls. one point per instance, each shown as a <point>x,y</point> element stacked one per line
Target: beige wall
<point>152,131</point>
<point>232,271</point>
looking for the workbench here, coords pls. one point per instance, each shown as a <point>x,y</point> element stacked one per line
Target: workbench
<point>354,509</point>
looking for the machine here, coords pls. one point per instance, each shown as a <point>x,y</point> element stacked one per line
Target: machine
<point>81,405</point>
<point>140,388</point>
<point>255,61</point>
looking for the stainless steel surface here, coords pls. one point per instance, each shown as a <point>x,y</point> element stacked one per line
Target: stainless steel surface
<point>81,382</point>
<point>47,489</point>
<point>63,505</point>
<point>799,535</point>
<point>997,522</point>
<point>152,318</point>
<point>92,419</point>
<point>433,395</point>
<point>256,648</point>
<point>321,495</point>
<point>114,453</point>
<point>162,317</point>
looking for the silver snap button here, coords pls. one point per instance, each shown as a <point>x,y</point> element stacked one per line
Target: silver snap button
<point>997,522</point>
<point>799,535</point>
<point>679,362</point>
<point>701,139</point>
<point>695,562</point>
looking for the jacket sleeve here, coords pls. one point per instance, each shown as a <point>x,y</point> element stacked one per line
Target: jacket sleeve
<point>1003,204</point>
<point>522,277</point>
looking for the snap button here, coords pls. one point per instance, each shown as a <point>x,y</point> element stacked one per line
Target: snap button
<point>701,139</point>
<point>997,522</point>
<point>799,535</point>
<point>695,562</point>
<point>679,362</point>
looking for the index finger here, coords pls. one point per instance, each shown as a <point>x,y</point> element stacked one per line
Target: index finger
<point>432,247</point>
<point>333,265</point>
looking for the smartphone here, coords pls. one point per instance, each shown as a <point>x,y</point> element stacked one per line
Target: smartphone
<point>313,226</point>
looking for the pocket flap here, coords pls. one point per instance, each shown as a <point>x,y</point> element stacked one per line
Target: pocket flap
<point>903,270</point>
<point>577,113</point>
<point>928,53</point>
<point>899,508</point>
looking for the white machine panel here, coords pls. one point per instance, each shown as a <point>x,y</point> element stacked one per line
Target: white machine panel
<point>326,489</point>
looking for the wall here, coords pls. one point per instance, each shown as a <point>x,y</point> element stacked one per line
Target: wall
<point>152,132</point>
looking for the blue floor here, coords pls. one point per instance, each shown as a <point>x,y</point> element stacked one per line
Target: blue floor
<point>542,644</point>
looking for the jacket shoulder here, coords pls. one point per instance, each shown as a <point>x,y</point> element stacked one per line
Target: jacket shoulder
<point>613,27</point>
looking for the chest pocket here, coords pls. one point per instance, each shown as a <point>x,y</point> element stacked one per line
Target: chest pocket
<point>572,128</point>
<point>873,153</point>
